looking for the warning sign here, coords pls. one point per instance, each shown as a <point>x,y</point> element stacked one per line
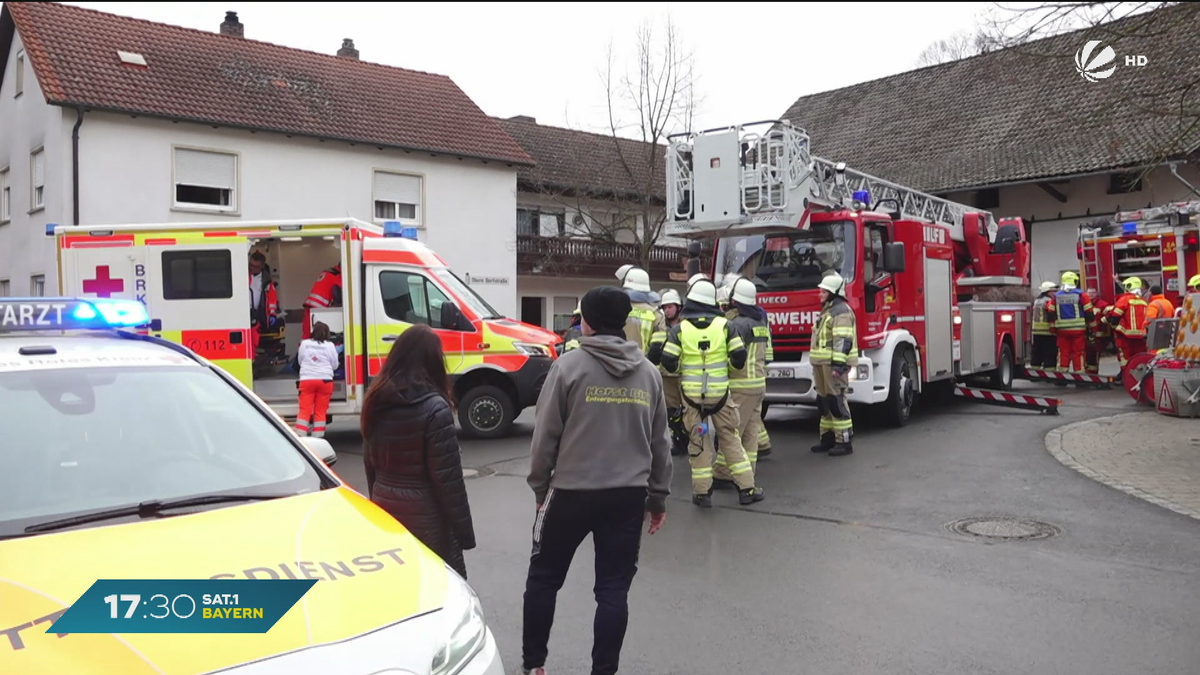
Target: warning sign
<point>1166,404</point>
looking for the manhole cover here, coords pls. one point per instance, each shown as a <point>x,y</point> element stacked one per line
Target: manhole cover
<point>478,473</point>
<point>1010,529</point>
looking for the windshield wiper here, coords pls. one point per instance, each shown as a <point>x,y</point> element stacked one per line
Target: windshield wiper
<point>145,510</point>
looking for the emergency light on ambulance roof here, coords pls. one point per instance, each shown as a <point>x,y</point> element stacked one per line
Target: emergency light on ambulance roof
<point>22,314</point>
<point>392,228</point>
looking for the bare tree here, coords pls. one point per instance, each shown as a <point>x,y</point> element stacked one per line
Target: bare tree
<point>961,45</point>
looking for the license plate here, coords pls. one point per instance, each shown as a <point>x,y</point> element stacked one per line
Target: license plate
<point>786,373</point>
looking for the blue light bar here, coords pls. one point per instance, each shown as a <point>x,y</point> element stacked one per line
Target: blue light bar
<point>50,229</point>
<point>863,197</point>
<point>33,314</point>
<point>393,228</point>
<point>1129,228</point>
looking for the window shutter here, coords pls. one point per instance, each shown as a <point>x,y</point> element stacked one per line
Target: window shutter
<point>393,187</point>
<point>39,169</point>
<point>205,169</point>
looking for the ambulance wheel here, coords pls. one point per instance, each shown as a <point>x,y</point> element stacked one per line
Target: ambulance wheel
<point>1002,377</point>
<point>903,392</point>
<point>486,411</point>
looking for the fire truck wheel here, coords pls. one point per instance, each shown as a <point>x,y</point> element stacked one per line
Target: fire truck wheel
<point>486,412</point>
<point>1002,377</point>
<point>902,392</point>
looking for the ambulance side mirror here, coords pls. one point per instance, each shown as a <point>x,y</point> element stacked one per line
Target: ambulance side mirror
<point>321,448</point>
<point>452,317</point>
<point>893,257</point>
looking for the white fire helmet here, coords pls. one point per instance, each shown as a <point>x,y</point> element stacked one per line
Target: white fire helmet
<point>1048,286</point>
<point>703,292</point>
<point>622,271</point>
<point>744,292</point>
<point>670,297</point>
<point>636,279</point>
<point>834,283</point>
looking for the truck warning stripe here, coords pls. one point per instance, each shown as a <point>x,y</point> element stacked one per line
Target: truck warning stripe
<point>1055,376</point>
<point>218,345</point>
<point>1006,399</point>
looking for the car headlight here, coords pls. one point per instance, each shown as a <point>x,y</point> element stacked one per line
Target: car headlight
<point>465,627</point>
<point>530,349</point>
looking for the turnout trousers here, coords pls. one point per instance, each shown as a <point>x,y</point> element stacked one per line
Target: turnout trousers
<point>1129,347</point>
<point>724,424</point>
<point>831,400</point>
<point>614,519</point>
<point>1045,352</point>
<point>1071,348</point>
<point>749,404</point>
<point>314,405</point>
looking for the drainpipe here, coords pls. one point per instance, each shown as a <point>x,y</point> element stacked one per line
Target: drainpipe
<point>1175,172</point>
<point>75,164</point>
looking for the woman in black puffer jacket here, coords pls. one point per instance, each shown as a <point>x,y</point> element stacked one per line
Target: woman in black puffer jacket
<point>414,468</point>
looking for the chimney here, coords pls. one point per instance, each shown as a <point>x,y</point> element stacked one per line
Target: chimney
<point>231,25</point>
<point>348,49</point>
<point>523,118</point>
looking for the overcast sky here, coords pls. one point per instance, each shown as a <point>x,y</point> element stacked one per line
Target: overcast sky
<point>544,59</point>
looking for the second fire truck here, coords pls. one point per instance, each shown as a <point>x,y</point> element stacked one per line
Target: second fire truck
<point>915,265</point>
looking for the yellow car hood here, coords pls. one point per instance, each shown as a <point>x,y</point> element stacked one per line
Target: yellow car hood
<point>371,572</point>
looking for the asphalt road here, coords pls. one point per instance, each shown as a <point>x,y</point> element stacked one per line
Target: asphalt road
<point>847,567</point>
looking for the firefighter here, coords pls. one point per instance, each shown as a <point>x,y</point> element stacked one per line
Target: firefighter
<point>1099,336</point>
<point>1070,313</point>
<point>326,292</point>
<point>1045,349</point>
<point>644,320</point>
<point>701,348</point>
<point>1159,306</point>
<point>264,300</point>
<point>1128,317</point>
<point>747,386</point>
<point>574,332</point>
<point>670,306</point>
<point>834,352</point>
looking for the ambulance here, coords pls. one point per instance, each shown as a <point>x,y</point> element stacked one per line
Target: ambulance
<point>189,277</point>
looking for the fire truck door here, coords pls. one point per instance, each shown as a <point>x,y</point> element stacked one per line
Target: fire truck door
<point>201,295</point>
<point>105,271</point>
<point>939,323</point>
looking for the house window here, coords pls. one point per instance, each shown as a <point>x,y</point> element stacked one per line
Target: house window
<point>37,285</point>
<point>5,197</point>
<point>397,197</point>
<point>37,180</point>
<point>5,288</point>
<point>206,180</point>
<point>534,222</point>
<point>197,275</point>
<point>20,73</point>
<point>1124,183</point>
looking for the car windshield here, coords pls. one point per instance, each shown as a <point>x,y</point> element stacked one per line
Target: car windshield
<point>477,304</point>
<point>78,440</point>
<point>792,261</point>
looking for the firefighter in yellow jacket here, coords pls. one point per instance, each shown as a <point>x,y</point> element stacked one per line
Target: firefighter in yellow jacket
<point>701,348</point>
<point>644,320</point>
<point>747,386</point>
<point>833,354</point>
<point>670,305</point>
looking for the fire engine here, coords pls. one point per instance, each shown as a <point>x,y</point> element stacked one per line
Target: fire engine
<point>914,264</point>
<point>1159,245</point>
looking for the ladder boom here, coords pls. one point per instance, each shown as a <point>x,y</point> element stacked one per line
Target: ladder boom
<point>729,181</point>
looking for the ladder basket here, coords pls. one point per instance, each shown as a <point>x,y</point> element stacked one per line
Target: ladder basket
<point>1177,381</point>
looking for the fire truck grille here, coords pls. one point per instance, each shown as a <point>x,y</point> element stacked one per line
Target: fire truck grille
<point>792,344</point>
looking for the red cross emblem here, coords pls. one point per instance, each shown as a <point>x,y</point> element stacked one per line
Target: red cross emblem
<point>103,285</point>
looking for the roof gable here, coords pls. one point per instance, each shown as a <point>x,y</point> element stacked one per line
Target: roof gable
<point>1018,114</point>
<point>585,163</point>
<point>232,81</point>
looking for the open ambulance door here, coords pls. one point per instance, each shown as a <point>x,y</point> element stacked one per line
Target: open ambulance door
<point>399,297</point>
<point>199,293</point>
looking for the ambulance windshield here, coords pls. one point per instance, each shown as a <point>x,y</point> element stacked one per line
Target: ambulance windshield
<point>79,441</point>
<point>793,261</point>
<point>467,294</point>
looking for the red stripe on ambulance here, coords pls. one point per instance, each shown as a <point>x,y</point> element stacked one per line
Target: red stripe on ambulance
<point>400,257</point>
<point>87,241</point>
<point>160,242</point>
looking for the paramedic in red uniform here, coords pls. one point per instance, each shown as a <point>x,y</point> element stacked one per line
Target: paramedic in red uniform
<point>1070,313</point>
<point>1128,318</point>
<point>325,293</point>
<point>264,302</point>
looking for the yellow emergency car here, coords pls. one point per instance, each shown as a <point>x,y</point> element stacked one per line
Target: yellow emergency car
<point>126,456</point>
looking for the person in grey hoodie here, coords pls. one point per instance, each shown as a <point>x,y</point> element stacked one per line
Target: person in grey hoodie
<point>601,462</point>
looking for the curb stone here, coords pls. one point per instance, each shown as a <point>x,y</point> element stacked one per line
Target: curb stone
<point>1054,446</point>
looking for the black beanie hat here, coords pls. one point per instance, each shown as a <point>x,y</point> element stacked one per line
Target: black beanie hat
<point>605,309</point>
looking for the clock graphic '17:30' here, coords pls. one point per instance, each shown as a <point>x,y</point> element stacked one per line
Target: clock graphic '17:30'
<point>182,606</point>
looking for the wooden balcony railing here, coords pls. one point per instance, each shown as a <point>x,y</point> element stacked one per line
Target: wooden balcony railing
<point>567,257</point>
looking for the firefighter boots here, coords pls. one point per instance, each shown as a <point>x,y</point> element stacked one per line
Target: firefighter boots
<point>841,449</point>
<point>827,443</point>
<point>704,501</point>
<point>751,496</point>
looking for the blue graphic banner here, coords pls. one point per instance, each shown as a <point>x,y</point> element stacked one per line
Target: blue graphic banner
<point>182,606</point>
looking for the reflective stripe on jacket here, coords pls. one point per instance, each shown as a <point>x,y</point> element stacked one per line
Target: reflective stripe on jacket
<point>702,355</point>
<point>835,342</point>
<point>1041,320</point>
<point>1159,308</point>
<point>1129,315</point>
<point>756,335</point>
<point>641,325</point>
<point>1070,311</point>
